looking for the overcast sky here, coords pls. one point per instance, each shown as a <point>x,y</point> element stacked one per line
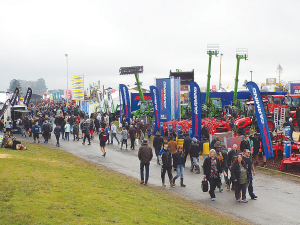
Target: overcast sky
<point>101,36</point>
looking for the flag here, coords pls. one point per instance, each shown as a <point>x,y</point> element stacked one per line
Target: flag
<point>196,110</point>
<point>126,101</point>
<point>156,107</point>
<point>261,119</point>
<point>27,97</point>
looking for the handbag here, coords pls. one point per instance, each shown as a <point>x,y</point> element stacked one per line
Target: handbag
<point>204,185</point>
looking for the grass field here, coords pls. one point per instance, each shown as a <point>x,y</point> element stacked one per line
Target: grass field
<point>48,186</point>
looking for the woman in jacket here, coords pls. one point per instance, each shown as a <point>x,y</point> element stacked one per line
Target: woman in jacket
<point>240,176</point>
<point>179,160</point>
<point>212,172</point>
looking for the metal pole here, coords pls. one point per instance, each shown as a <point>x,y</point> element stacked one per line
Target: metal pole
<point>251,75</point>
<point>208,81</point>
<point>236,80</point>
<point>220,73</point>
<point>67,80</point>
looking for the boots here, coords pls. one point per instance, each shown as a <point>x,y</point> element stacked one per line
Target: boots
<point>171,183</point>
<point>163,182</point>
<point>174,180</point>
<point>181,183</point>
<point>158,160</point>
<point>198,169</point>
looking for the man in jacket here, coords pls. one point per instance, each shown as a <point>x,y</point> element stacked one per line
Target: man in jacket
<point>86,134</point>
<point>46,131</point>
<point>194,154</point>
<point>166,157</point>
<point>157,143</point>
<point>145,155</point>
<point>245,143</point>
<point>143,129</point>
<point>113,131</point>
<point>149,128</point>
<point>186,146</point>
<point>132,133</point>
<point>251,171</point>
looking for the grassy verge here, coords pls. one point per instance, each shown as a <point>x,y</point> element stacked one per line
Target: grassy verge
<point>49,186</point>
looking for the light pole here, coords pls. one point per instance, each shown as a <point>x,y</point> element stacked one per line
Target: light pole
<point>251,74</point>
<point>67,80</point>
<point>220,73</point>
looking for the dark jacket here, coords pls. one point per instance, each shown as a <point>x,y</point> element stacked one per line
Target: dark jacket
<point>132,133</point>
<point>166,157</point>
<point>256,142</point>
<point>207,167</point>
<point>186,145</point>
<point>244,145</point>
<point>86,130</point>
<point>236,172</point>
<point>231,157</point>
<point>75,129</point>
<point>178,159</point>
<point>143,127</point>
<point>194,150</point>
<point>57,130</point>
<point>158,141</point>
<point>204,133</point>
<point>145,153</point>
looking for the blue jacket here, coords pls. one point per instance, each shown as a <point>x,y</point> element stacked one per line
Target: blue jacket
<point>35,129</point>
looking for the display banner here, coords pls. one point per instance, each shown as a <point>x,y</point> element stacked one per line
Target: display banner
<point>164,89</point>
<point>136,100</point>
<point>126,101</point>
<point>196,110</point>
<point>101,101</point>
<point>77,87</point>
<point>294,88</point>
<point>14,97</point>
<point>110,102</point>
<point>261,119</point>
<point>177,98</point>
<point>27,97</point>
<point>4,108</point>
<point>156,107</point>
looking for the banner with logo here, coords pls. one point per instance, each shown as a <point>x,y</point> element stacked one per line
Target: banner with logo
<point>126,101</point>
<point>4,108</point>
<point>136,100</point>
<point>295,88</point>
<point>177,98</point>
<point>101,101</point>
<point>14,97</point>
<point>77,87</point>
<point>196,109</point>
<point>261,119</point>
<point>156,107</point>
<point>110,102</point>
<point>164,89</point>
<point>27,97</point>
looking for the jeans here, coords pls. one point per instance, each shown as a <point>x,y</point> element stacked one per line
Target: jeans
<point>88,137</point>
<point>114,135</point>
<point>238,188</point>
<point>149,133</point>
<point>143,135</point>
<point>146,165</point>
<point>67,134</point>
<point>57,139</point>
<point>19,130</point>
<point>62,134</point>
<point>180,171</point>
<point>132,142</point>
<point>124,142</point>
<point>163,173</point>
<point>205,156</point>
<point>71,128</point>
<point>250,187</point>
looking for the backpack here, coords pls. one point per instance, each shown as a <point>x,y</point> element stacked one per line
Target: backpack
<point>104,137</point>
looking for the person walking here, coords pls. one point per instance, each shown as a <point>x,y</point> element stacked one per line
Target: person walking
<point>149,128</point>
<point>179,159</point>
<point>132,133</point>
<point>75,131</point>
<point>157,144</point>
<point>251,171</point>
<point>86,134</point>
<point>166,156</point>
<point>35,132</point>
<point>194,154</point>
<point>173,147</point>
<point>212,172</point>
<point>46,131</point>
<point>67,131</point>
<point>57,131</point>
<point>62,126</point>
<point>232,154</point>
<point>113,130</point>
<point>240,176</point>
<point>8,126</point>
<point>124,137</point>
<point>145,155</point>
<point>103,138</point>
<point>143,129</point>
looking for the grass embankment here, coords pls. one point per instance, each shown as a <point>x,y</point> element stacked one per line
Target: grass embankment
<point>48,186</point>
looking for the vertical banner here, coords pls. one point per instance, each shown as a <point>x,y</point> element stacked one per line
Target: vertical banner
<point>77,85</point>
<point>164,89</point>
<point>14,97</point>
<point>156,107</point>
<point>27,97</point>
<point>177,98</point>
<point>126,101</point>
<point>261,119</point>
<point>4,108</point>
<point>100,99</point>
<point>196,109</point>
